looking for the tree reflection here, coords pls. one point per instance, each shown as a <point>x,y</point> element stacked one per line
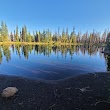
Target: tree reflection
<point>25,50</point>
<point>6,52</point>
<point>48,50</point>
<point>17,47</point>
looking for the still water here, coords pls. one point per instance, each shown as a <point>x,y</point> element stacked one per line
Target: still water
<point>51,62</point>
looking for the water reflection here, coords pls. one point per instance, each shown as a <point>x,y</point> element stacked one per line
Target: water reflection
<point>52,62</point>
<point>6,52</point>
<point>25,50</point>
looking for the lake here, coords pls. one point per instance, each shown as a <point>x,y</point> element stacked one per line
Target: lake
<point>51,62</point>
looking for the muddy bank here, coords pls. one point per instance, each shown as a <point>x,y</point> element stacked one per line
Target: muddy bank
<point>83,92</point>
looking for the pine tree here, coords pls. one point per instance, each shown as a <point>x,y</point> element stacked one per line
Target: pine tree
<point>29,38</point>
<point>0,35</point>
<point>73,37</point>
<point>11,37</point>
<point>23,34</point>
<point>58,36</point>
<point>63,35</point>
<point>36,37</point>
<point>20,36</point>
<point>43,36</point>
<point>33,37</point>
<point>67,36</point>
<point>39,37</point>
<point>16,36</point>
<point>50,37</point>
<point>4,32</point>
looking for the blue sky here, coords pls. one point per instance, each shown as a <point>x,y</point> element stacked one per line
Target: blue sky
<point>43,14</point>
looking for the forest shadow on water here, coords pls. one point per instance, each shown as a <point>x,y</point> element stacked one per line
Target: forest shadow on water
<point>52,62</point>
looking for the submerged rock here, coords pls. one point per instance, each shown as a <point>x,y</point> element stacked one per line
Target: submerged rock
<point>9,92</point>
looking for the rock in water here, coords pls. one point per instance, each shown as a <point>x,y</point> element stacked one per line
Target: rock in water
<point>9,91</point>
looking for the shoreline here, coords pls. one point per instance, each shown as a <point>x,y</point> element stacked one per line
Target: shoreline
<point>82,92</point>
<point>38,43</point>
<point>42,43</point>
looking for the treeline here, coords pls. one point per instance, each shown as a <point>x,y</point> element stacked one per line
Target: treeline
<point>46,36</point>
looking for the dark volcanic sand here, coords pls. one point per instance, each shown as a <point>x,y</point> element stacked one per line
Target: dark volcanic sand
<point>84,92</point>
